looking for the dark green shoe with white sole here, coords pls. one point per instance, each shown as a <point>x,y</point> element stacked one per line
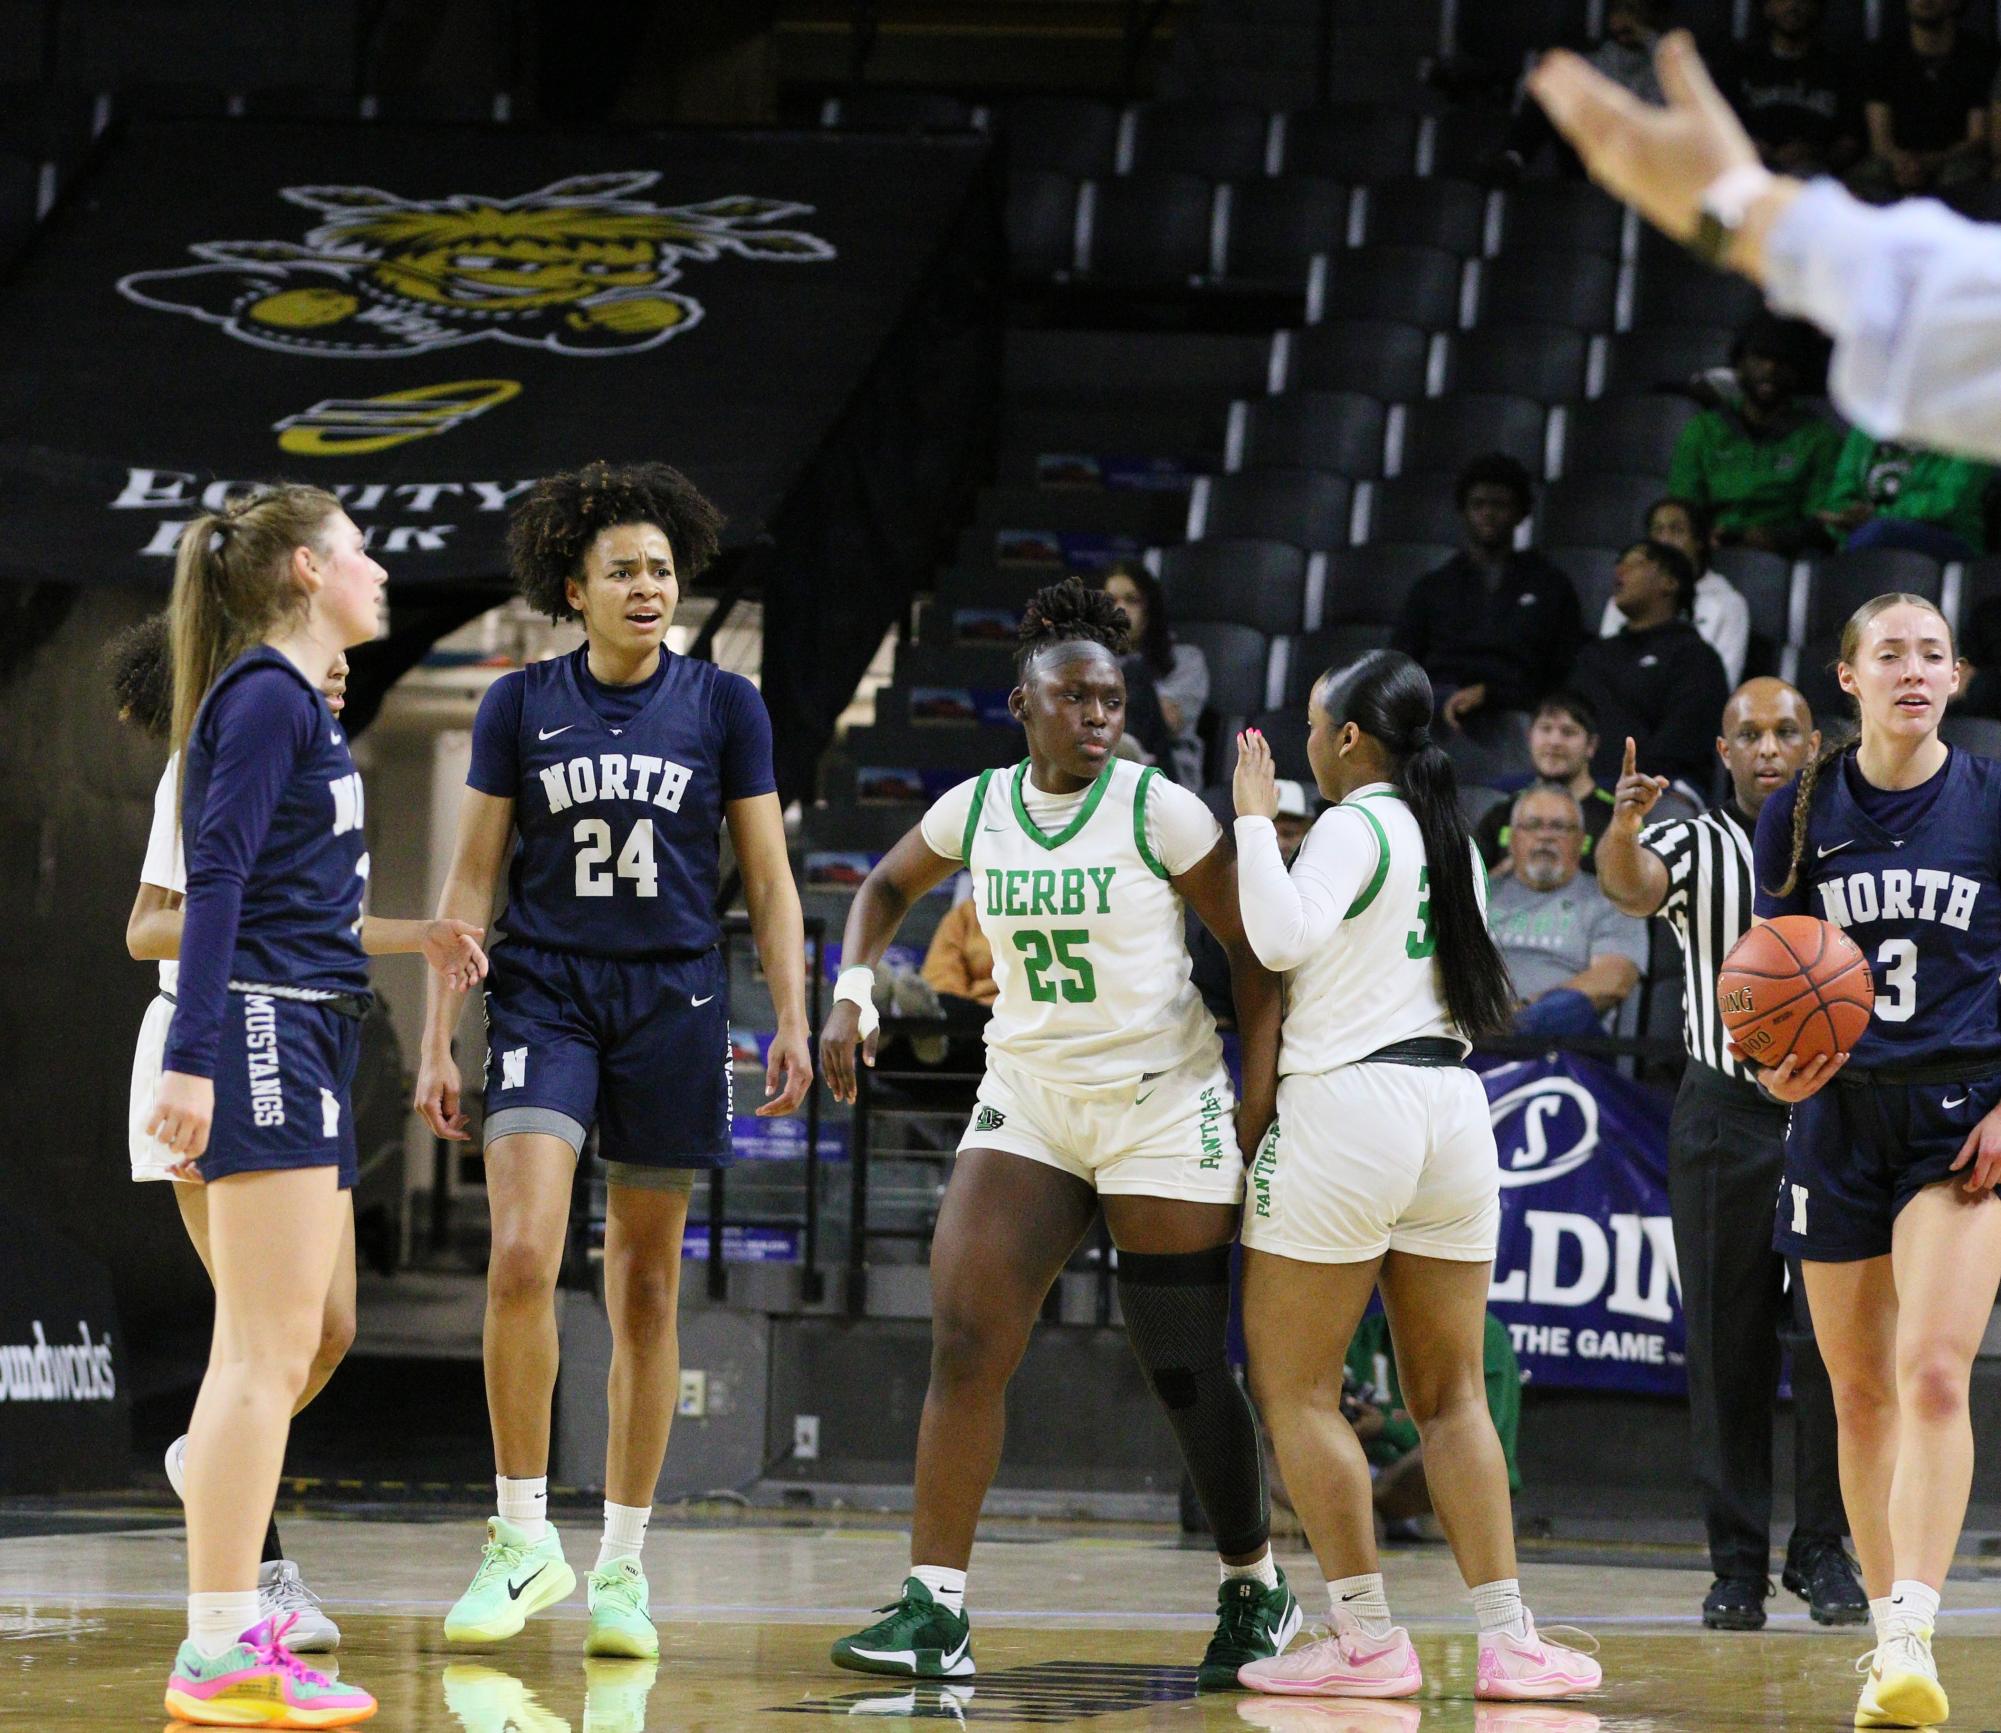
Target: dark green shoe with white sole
<point>918,1639</point>
<point>1253,1623</point>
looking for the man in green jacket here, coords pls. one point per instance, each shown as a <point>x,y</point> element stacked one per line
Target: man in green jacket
<point>1758,463</point>
<point>1886,495</point>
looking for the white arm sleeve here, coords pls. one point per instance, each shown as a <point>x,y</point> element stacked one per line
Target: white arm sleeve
<point>1287,916</point>
<point>1911,296</point>
<point>163,865</point>
<point>943,827</point>
<point>1179,828</point>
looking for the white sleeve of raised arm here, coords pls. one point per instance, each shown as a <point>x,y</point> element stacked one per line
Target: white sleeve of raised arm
<point>1911,296</point>
<point>1287,916</point>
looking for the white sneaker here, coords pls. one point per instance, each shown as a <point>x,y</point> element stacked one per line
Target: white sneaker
<point>177,1466</point>
<point>1900,1687</point>
<point>280,1592</point>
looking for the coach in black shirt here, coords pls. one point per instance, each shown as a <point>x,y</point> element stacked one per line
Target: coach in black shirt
<point>1657,681</point>
<point>1493,627</point>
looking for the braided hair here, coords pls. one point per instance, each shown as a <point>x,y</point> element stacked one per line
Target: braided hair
<point>554,526</point>
<point>1069,613</point>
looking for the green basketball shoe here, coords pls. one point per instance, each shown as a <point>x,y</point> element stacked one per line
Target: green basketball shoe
<point>619,1622</point>
<point>918,1640</point>
<point>516,1578</point>
<point>1253,1623</point>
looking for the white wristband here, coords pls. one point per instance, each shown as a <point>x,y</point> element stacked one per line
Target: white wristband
<point>856,987</point>
<point>1729,197</point>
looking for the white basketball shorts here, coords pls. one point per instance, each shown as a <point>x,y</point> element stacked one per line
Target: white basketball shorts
<point>151,1158</point>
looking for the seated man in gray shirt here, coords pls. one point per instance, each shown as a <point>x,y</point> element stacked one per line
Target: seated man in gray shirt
<point>1572,955</point>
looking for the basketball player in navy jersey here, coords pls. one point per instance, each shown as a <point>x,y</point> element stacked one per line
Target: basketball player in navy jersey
<point>1893,1154</point>
<point>616,766</point>
<point>253,1097</point>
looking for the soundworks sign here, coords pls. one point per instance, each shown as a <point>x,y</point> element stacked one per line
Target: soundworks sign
<point>69,1372</point>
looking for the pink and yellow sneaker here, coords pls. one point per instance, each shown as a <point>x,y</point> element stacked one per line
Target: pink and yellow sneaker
<point>1346,1662</point>
<point>1513,1669</point>
<point>260,1683</point>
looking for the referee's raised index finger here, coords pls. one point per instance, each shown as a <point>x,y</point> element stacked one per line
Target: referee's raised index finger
<point>1632,757</point>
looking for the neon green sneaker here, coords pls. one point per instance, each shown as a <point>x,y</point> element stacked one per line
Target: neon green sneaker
<point>1253,1623</point>
<point>918,1640</point>
<point>515,1579</point>
<point>619,1622</point>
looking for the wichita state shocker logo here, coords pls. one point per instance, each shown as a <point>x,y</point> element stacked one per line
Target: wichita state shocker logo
<point>581,267</point>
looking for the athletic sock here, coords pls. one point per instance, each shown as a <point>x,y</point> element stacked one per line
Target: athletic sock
<point>1498,1607</point>
<point>1362,1599</point>
<point>274,1548</point>
<point>624,1531</point>
<point>524,1504</point>
<point>1879,1617</point>
<point>215,1621</point>
<point>1913,1607</point>
<point>1262,1570</point>
<point>947,1586</point>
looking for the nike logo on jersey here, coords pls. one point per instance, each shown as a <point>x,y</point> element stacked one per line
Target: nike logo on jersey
<point>1823,853</point>
<point>333,734</point>
<point>702,1001</point>
<point>551,733</point>
<point>1957,1101</point>
<point>514,1590</point>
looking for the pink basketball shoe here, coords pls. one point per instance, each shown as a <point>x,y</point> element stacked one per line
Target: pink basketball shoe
<point>1516,1668</point>
<point>1346,1662</point>
<point>260,1683</point>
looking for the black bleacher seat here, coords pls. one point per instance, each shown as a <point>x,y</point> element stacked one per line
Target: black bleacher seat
<point>952,664</point>
<point>1251,583</point>
<point>881,110</point>
<point>1765,580</point>
<point>1663,358</point>
<point>1838,584</point>
<point>1349,143</point>
<point>1443,434</point>
<point>1146,229</point>
<point>1285,732</point>
<point>1414,508</point>
<point>1980,735</point>
<point>1629,435</point>
<point>1063,134</point>
<point>1150,515</point>
<point>1380,357</point>
<point>1041,220</point>
<point>1818,685</point>
<point>1367,585</point>
<point>1562,216</point>
<point>106,44</point>
<point>459,104</point>
<point>975,587</point>
<point>1451,214</point>
<point>1307,507</point>
<point>1590,572</point>
<point>1310,656</point>
<point>1558,288</point>
<point>173,99</point>
<point>1503,36</point>
<point>1083,368</point>
<point>1420,285</point>
<point>895,740</point>
<point>1979,583</point>
<point>1341,431</point>
<point>1239,659</point>
<point>298,102</point>
<point>1220,141</point>
<point>1546,362</point>
<point>1600,511</point>
<point>1847,24</point>
<point>19,180</point>
<point>1277,226</point>
<point>1673,287</point>
<point>45,123</point>
<point>1466,139</point>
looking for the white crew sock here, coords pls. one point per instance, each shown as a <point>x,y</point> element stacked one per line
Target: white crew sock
<point>1913,1607</point>
<point>1263,1570</point>
<point>624,1531</point>
<point>1879,1616</point>
<point>215,1621</point>
<point>1362,1599</point>
<point>524,1504</point>
<point>1498,1607</point>
<point>947,1586</point>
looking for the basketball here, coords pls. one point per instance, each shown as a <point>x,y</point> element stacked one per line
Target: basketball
<point>1796,985</point>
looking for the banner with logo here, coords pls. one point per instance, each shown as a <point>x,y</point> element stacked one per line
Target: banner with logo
<point>1586,1278</point>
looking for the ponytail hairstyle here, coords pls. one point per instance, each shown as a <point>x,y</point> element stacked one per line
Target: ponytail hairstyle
<point>1068,613</point>
<point>1840,739</point>
<point>233,586</point>
<point>141,666</point>
<point>1387,696</point>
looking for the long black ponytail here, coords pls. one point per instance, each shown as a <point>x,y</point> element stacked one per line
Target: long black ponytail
<point>1387,696</point>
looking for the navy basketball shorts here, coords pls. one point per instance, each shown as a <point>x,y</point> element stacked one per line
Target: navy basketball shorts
<point>283,1073</point>
<point>1857,1153</point>
<point>638,1048</point>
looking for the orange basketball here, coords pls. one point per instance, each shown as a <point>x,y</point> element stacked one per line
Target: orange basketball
<point>1795,985</point>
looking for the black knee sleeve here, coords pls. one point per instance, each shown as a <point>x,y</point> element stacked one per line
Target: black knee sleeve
<point>1177,1308</point>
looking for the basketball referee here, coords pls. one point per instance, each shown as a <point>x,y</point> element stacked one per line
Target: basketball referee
<point>1726,1149</point>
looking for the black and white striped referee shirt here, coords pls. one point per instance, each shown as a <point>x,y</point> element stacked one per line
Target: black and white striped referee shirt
<point>1709,905</point>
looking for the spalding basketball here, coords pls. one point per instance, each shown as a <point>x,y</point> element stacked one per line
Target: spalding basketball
<point>1795,985</point>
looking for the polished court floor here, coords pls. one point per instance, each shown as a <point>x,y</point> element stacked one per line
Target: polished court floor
<point>1073,1627</point>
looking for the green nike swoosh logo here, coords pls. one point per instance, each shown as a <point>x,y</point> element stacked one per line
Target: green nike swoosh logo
<point>1140,1100</point>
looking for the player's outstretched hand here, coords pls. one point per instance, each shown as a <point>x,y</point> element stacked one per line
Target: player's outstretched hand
<point>437,1099</point>
<point>452,948</point>
<point>1983,1149</point>
<point>1636,793</point>
<point>1658,160</point>
<point>182,1112</point>
<point>788,1073</point>
<point>837,1050</point>
<point>1255,784</point>
<point>1792,1081</point>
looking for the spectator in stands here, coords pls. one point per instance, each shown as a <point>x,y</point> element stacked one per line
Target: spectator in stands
<point>1573,957</point>
<point>1562,739</point>
<point>1980,661</point>
<point>1887,495</point>
<point>1799,100</point>
<point>1495,626</point>
<point>1179,673</point>
<point>1925,92</point>
<point>1757,462</point>
<point>1626,56</point>
<point>1657,682</point>
<point>1722,616</point>
<point>960,962</point>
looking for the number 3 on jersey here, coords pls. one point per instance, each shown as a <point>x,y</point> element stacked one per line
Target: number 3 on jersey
<point>1899,958</point>
<point>635,861</point>
<point>1042,951</point>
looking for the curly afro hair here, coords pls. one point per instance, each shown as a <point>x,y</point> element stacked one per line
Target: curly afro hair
<point>141,666</point>
<point>563,514</point>
<point>1067,613</point>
